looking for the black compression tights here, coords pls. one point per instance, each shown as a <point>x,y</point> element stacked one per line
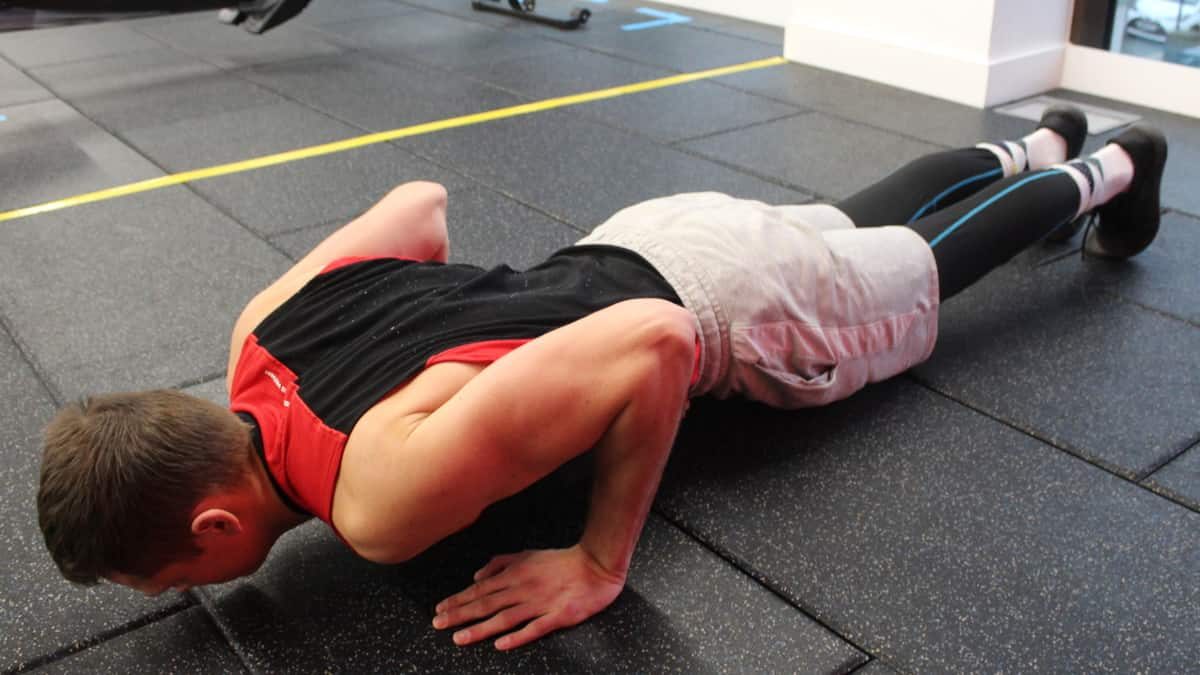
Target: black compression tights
<point>973,219</point>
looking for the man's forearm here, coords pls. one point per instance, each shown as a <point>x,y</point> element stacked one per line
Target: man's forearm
<point>630,459</point>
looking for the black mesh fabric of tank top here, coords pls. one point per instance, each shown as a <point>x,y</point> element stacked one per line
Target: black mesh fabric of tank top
<point>355,333</point>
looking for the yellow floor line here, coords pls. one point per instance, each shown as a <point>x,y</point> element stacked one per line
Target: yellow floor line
<point>383,136</point>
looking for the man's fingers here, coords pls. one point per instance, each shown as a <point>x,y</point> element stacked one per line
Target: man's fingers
<point>472,593</point>
<point>532,631</point>
<point>485,606</point>
<point>495,566</point>
<point>505,620</point>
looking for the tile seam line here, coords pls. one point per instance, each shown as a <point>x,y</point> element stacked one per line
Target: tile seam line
<point>1190,445</point>
<point>760,579</point>
<point>1131,479</point>
<point>26,354</point>
<point>207,605</point>
<point>380,137</point>
<point>103,636</point>
<point>133,147</point>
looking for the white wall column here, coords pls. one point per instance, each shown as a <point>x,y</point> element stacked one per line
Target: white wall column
<point>977,52</point>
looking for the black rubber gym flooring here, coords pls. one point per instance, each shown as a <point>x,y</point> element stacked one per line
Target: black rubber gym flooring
<point>1026,501</point>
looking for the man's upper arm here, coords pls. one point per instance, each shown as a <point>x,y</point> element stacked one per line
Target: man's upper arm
<point>519,419</point>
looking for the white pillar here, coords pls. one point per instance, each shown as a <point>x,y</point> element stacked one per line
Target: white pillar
<point>977,52</point>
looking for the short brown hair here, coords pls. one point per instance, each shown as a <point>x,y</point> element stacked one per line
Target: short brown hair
<point>121,474</point>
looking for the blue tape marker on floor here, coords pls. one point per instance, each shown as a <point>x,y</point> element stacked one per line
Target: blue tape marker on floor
<point>663,19</point>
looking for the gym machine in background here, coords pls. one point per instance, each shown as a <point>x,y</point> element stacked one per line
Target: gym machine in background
<point>524,9</point>
<point>256,16</point>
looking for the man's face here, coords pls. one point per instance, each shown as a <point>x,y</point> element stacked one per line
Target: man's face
<point>220,560</point>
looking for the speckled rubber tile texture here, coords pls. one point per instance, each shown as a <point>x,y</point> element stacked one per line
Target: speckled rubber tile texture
<point>811,152</point>
<point>485,228</point>
<point>17,87</point>
<point>202,36</point>
<point>581,171</point>
<point>149,88</point>
<point>186,642</point>
<point>129,294</point>
<point>1036,348</point>
<point>940,540</point>
<point>880,106</point>
<point>325,189</point>
<point>1180,477</point>
<point>403,93</point>
<point>49,151</point>
<point>40,612</point>
<point>695,109</point>
<point>33,48</point>
<point>1161,278</point>
<point>439,40</point>
<point>683,610</point>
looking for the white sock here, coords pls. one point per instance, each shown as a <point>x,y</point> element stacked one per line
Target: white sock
<point>1102,176</point>
<point>1039,150</point>
<point>1116,168</point>
<point>1044,148</point>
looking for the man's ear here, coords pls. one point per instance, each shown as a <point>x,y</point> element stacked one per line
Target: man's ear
<point>216,521</point>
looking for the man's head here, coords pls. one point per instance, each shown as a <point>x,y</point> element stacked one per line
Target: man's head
<point>152,490</point>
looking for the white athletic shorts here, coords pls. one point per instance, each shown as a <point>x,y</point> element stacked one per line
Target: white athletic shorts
<point>795,307</point>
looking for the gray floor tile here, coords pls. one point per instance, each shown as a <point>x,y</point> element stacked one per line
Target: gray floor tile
<point>321,13</point>
<point>486,229</point>
<point>213,390</point>
<point>164,280</point>
<point>237,135</point>
<point>581,172</point>
<point>40,612</point>
<point>48,152</point>
<point>679,47</point>
<point>1181,477</point>
<point>380,96</point>
<point>32,48</point>
<point>661,623</point>
<point>812,152</point>
<point>149,88</point>
<point>877,105</point>
<point>1039,350</point>
<point>939,540</point>
<point>696,109</point>
<point>16,87</point>
<point>332,188</point>
<point>765,33</point>
<point>1162,277</point>
<point>231,47</point>
<point>439,40</point>
<point>875,667</point>
<point>187,642</point>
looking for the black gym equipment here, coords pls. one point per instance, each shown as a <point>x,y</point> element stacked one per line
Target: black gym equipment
<point>524,9</point>
<point>256,16</point>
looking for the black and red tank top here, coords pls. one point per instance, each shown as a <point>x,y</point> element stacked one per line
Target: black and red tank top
<point>363,327</point>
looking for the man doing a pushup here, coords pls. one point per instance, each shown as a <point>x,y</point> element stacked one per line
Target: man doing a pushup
<point>395,396</point>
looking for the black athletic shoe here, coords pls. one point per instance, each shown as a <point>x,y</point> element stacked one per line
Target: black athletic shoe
<point>1070,123</point>
<point>275,13</point>
<point>1128,223</point>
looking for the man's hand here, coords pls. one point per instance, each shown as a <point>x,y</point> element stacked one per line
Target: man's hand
<point>549,589</point>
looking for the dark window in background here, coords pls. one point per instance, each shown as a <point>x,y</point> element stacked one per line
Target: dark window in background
<point>1163,30</point>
